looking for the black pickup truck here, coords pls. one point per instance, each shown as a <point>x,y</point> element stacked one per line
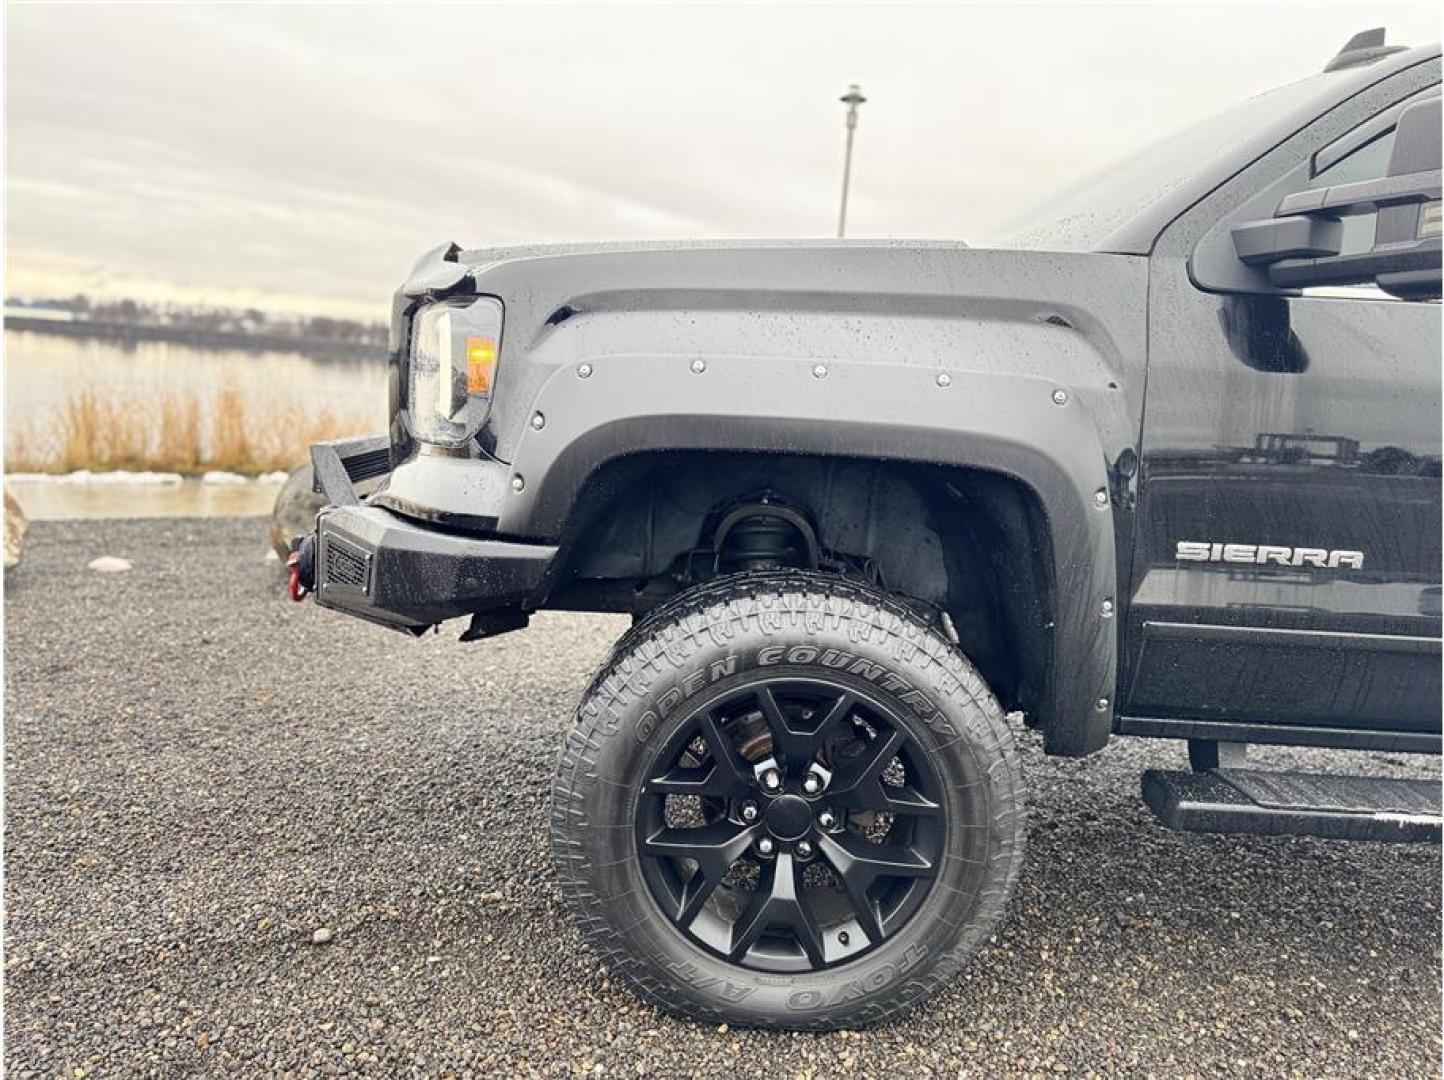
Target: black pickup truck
<point>1166,464</point>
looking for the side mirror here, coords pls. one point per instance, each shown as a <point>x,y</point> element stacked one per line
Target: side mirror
<point>1300,245</point>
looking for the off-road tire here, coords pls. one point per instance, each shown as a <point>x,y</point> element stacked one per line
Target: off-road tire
<point>789,623</point>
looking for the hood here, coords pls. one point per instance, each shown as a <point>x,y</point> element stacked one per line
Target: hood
<point>896,302</point>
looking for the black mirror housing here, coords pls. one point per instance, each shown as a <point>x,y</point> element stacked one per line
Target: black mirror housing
<point>1297,236</point>
<point>1416,150</point>
<point>1417,140</point>
<point>1300,245</point>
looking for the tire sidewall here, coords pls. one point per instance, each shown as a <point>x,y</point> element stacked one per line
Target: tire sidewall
<point>665,674</point>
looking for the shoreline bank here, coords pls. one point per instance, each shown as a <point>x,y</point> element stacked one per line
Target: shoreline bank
<point>84,495</point>
<point>131,333</point>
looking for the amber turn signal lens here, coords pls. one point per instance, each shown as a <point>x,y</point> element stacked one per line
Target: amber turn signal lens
<point>480,364</point>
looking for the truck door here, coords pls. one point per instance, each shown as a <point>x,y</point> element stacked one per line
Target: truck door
<point>1287,566</point>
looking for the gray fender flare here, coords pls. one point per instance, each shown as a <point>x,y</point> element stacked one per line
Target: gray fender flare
<point>1004,422</point>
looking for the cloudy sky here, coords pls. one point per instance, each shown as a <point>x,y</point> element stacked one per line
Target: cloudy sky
<point>301,157</point>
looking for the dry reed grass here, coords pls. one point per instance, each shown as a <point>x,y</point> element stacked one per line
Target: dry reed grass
<point>175,433</point>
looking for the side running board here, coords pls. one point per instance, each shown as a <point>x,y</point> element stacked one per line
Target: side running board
<point>1267,803</point>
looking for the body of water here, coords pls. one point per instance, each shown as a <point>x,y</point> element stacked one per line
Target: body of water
<point>44,371</point>
<point>52,500</point>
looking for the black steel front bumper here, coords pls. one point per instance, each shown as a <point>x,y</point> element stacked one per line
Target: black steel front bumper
<point>380,566</point>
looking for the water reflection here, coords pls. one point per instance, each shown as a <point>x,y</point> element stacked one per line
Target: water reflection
<point>48,500</point>
<point>279,391</point>
<point>42,371</point>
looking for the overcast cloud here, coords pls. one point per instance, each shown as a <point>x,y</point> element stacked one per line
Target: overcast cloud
<point>302,157</point>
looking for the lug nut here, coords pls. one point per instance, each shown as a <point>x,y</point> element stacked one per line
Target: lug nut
<point>538,421</point>
<point>827,819</point>
<point>945,379</point>
<point>812,784</point>
<point>804,849</point>
<point>1106,609</point>
<point>819,371</point>
<point>517,483</point>
<point>1100,498</point>
<point>771,780</point>
<point>1060,397</point>
<point>765,846</point>
<point>749,812</point>
<point>699,366</point>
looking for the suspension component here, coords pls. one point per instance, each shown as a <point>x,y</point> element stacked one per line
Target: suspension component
<point>764,535</point>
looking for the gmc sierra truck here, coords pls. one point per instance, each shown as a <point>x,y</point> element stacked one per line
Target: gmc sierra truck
<point>1164,464</point>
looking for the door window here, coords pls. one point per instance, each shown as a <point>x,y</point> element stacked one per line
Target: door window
<point>1367,162</point>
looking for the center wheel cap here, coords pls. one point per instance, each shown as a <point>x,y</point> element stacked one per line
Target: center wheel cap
<point>789,817</point>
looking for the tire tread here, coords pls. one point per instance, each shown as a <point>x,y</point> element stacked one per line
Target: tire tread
<point>667,631</point>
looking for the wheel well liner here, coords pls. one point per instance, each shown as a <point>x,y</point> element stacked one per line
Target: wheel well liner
<point>969,542</point>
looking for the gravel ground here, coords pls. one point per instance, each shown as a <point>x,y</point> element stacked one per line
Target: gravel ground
<point>186,805</point>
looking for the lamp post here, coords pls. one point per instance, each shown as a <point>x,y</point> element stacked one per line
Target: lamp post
<point>852,99</point>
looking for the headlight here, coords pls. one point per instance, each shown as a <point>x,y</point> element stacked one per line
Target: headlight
<point>454,346</point>
<point>1430,220</point>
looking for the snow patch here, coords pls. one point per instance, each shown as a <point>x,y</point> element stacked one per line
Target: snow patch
<point>216,476</point>
<point>110,564</point>
<point>85,476</point>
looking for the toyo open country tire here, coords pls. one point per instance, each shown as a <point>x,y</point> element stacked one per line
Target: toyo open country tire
<point>787,802</point>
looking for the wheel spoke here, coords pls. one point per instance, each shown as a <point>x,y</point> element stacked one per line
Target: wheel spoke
<point>714,848</point>
<point>854,858</point>
<point>719,844</point>
<point>870,764</point>
<point>907,800</point>
<point>859,864</point>
<point>732,773</point>
<point>754,917</point>
<point>797,748</point>
<point>840,710</point>
<point>855,884</point>
<point>792,748</point>
<point>804,926</point>
<point>695,894</point>
<point>778,903</point>
<point>858,785</point>
<point>678,781</point>
<point>876,795</point>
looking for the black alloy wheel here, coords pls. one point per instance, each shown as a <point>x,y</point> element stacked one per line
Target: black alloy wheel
<point>790,825</point>
<point>787,801</point>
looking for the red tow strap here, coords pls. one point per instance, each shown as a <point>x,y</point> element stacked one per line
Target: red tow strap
<point>295,588</point>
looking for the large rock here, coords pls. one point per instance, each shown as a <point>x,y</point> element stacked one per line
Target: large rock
<point>295,511</point>
<point>15,526</point>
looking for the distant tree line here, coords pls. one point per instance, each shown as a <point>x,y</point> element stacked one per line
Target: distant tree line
<point>207,320</point>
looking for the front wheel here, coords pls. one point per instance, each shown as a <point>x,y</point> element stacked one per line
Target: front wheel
<point>787,802</point>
